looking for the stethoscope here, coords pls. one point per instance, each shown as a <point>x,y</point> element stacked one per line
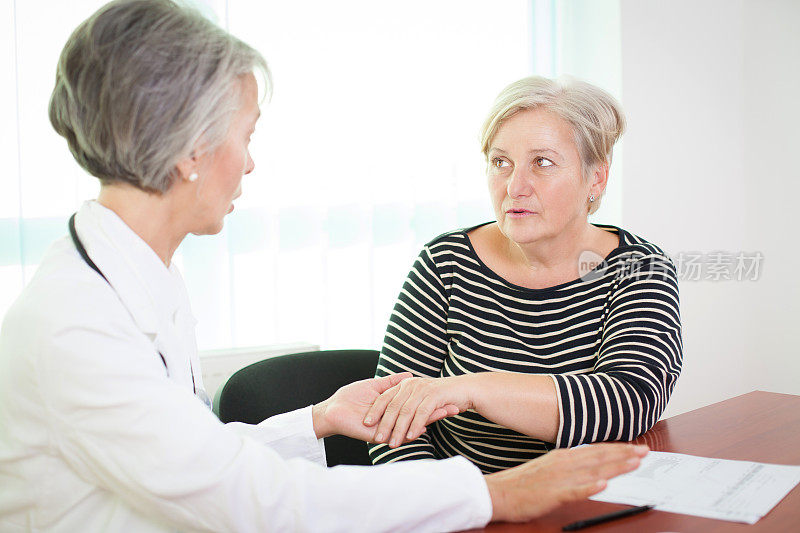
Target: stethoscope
<point>200,393</point>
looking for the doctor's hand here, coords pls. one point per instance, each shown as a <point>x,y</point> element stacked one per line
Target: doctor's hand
<point>402,412</point>
<point>344,412</point>
<point>561,476</point>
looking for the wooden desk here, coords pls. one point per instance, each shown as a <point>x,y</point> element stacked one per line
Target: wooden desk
<point>758,426</point>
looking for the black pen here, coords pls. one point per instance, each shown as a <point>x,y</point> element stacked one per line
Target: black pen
<point>580,524</point>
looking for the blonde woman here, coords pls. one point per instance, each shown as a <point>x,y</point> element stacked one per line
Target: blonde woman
<point>539,328</point>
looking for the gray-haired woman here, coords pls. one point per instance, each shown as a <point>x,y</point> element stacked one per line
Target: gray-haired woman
<point>102,409</point>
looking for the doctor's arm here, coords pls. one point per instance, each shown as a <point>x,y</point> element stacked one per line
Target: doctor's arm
<point>122,426</point>
<point>125,428</point>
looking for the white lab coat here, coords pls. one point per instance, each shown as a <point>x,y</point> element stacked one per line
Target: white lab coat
<point>96,435</point>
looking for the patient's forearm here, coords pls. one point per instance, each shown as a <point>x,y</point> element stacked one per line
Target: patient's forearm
<point>523,402</point>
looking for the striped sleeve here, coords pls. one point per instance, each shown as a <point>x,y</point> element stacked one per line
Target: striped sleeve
<point>416,341</point>
<point>638,361</point>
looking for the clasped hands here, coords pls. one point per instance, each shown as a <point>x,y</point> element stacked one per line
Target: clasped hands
<point>393,409</point>
<point>402,412</point>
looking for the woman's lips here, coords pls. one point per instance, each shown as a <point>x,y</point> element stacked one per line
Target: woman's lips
<point>519,213</point>
<point>234,198</point>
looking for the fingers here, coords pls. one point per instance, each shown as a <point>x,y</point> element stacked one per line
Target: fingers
<point>378,407</point>
<point>413,398</point>
<point>581,492</point>
<point>390,414</point>
<point>417,402</point>
<point>615,468</point>
<point>403,411</point>
<point>606,453</point>
<point>561,476</point>
<point>425,414</point>
<point>418,424</point>
<point>438,414</point>
<point>387,382</point>
<point>403,421</point>
<point>383,386</point>
<point>416,412</point>
<point>443,412</point>
<point>598,463</point>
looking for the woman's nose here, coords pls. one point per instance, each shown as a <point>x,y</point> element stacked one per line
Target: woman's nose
<point>519,184</point>
<point>250,165</point>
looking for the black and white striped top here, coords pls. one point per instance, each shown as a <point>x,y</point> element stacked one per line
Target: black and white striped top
<point>611,339</point>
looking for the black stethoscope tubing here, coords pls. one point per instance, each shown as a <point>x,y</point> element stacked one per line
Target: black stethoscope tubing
<point>82,251</point>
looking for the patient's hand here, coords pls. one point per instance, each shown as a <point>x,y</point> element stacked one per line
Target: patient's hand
<point>561,476</point>
<point>344,412</point>
<point>403,411</point>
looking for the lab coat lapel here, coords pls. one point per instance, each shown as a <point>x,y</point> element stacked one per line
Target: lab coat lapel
<point>141,281</point>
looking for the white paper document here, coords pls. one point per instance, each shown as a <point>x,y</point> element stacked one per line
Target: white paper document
<point>739,491</point>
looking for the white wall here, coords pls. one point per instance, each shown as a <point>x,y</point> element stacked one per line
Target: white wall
<point>590,49</point>
<point>711,93</point>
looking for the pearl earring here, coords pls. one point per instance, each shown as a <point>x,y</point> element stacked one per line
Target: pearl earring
<point>193,176</point>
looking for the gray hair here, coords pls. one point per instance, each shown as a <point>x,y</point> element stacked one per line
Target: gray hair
<point>142,84</point>
<point>596,117</point>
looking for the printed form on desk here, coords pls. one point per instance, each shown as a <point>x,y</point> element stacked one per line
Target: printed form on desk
<point>739,491</point>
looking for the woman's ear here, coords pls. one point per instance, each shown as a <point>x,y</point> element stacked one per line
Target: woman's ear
<point>599,180</point>
<point>187,167</point>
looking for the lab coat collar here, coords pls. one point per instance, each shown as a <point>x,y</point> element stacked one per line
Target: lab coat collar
<point>148,289</point>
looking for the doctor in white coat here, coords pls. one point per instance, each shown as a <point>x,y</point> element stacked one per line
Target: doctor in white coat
<point>103,418</point>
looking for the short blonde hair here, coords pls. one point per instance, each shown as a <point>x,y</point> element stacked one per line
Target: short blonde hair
<point>142,84</point>
<point>596,117</point>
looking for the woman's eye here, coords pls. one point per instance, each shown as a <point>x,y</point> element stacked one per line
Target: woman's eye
<point>499,163</point>
<point>543,162</point>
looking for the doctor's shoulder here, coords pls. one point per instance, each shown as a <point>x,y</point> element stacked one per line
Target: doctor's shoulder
<point>63,294</point>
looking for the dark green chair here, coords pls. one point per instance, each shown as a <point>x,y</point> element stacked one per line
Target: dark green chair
<point>287,382</point>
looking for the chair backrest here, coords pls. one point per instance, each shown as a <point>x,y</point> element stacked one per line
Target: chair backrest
<point>287,382</point>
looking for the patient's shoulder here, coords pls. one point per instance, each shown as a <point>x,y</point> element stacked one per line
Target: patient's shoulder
<point>460,236</point>
<point>455,245</point>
